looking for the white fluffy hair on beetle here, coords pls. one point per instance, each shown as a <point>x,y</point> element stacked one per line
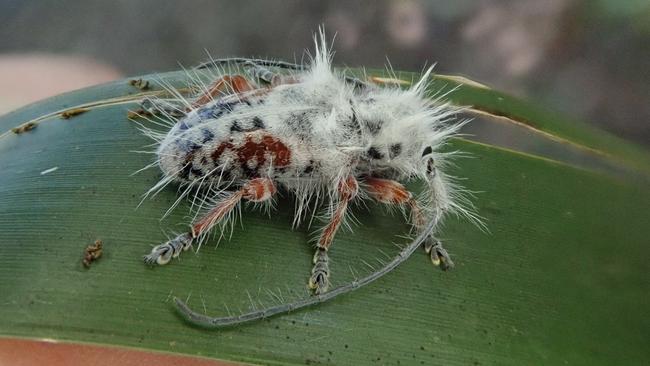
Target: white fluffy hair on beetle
<point>318,134</point>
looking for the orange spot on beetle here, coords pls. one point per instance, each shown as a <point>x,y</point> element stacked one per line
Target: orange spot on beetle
<point>257,148</point>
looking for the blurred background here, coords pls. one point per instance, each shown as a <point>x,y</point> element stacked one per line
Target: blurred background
<point>586,58</point>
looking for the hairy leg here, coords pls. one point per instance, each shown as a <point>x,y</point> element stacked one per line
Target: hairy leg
<point>319,280</point>
<point>385,191</point>
<point>255,190</point>
<point>391,192</point>
<point>226,85</point>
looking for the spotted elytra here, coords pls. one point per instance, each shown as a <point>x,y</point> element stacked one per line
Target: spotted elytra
<point>313,132</point>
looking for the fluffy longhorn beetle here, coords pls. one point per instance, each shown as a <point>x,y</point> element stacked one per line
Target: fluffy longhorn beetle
<point>319,135</point>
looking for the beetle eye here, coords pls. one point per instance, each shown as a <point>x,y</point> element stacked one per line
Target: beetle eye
<point>428,150</point>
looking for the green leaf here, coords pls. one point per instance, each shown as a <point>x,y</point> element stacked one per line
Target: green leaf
<point>560,278</point>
